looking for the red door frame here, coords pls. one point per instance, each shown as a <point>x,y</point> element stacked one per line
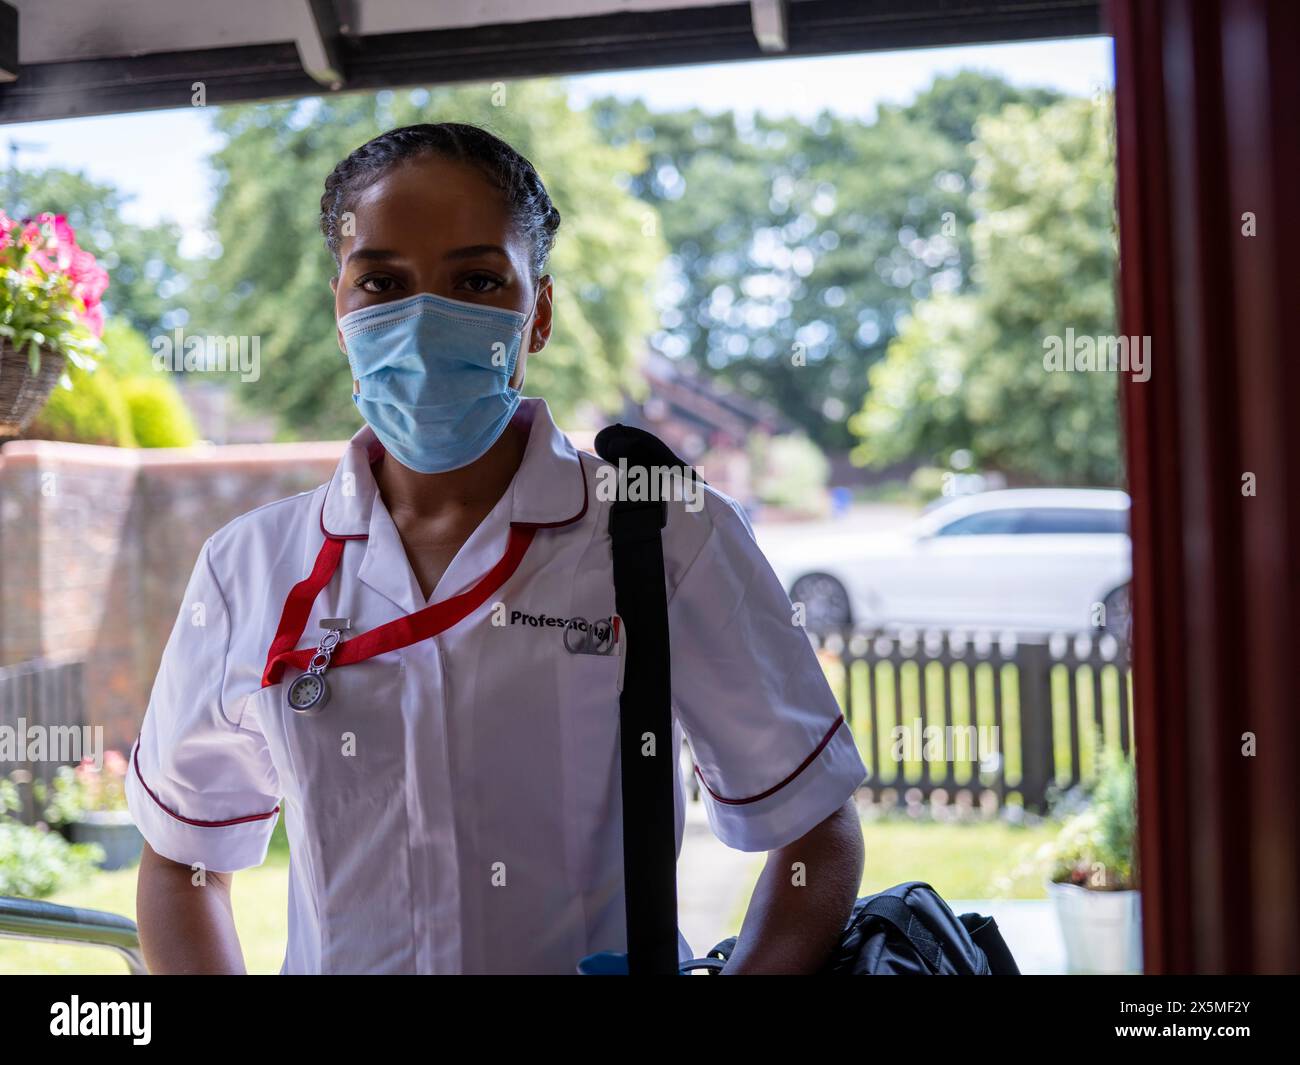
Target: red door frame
<point>1208,129</point>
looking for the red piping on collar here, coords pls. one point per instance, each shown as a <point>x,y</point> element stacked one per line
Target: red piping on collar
<point>346,536</point>
<point>567,521</point>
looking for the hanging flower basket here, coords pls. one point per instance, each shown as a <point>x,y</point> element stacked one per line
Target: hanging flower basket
<point>50,313</point>
<point>23,393</point>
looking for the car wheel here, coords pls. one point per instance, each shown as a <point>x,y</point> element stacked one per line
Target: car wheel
<point>825,601</point>
<point>1117,612</point>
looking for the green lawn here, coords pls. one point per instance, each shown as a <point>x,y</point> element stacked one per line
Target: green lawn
<point>959,860</point>
<point>261,898</point>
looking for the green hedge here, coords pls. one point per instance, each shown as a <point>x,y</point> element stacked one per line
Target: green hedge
<point>123,402</point>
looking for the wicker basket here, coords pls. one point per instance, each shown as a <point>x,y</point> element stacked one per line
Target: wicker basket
<point>22,393</point>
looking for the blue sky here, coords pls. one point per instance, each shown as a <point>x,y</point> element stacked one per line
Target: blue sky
<point>159,157</point>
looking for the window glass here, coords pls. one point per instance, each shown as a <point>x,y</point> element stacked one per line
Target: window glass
<point>1047,520</point>
<point>1038,521</point>
<point>987,523</point>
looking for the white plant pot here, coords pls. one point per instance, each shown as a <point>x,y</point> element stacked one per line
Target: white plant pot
<point>1102,929</point>
<point>114,831</point>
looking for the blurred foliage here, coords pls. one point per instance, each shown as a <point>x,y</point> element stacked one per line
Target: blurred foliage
<point>791,471</point>
<point>35,862</point>
<point>88,409</point>
<point>272,276</point>
<point>810,239</point>
<point>966,370</point>
<point>85,788</point>
<point>1096,845</point>
<point>123,402</point>
<point>158,416</point>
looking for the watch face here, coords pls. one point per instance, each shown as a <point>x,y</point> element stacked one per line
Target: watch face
<point>307,693</point>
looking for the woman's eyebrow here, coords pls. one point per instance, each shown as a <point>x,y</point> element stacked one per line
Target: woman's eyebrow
<point>375,254</point>
<point>472,250</point>
<point>467,252</point>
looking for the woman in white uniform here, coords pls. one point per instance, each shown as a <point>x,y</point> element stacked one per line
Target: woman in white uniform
<point>383,659</point>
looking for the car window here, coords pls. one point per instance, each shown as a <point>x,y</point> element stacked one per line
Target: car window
<point>986,523</point>
<point>1037,521</point>
<point>1048,520</point>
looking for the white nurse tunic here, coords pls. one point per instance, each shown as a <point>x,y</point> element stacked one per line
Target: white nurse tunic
<point>455,807</point>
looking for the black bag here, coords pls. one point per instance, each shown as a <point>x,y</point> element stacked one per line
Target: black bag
<point>905,931</point>
<point>908,929</point>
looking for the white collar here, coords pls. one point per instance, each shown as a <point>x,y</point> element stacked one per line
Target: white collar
<point>549,490</point>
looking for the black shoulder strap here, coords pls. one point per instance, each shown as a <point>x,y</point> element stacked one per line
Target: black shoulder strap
<point>645,713</point>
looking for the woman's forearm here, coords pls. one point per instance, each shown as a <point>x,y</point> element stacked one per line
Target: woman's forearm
<point>803,900</point>
<point>186,921</point>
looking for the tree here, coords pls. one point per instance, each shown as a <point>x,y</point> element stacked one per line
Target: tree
<point>967,370</point>
<point>798,247</point>
<point>271,278</point>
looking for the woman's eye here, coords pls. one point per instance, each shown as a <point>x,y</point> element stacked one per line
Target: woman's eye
<point>376,283</point>
<point>483,282</point>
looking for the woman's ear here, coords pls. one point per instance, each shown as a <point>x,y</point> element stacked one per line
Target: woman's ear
<point>537,329</point>
<point>543,308</point>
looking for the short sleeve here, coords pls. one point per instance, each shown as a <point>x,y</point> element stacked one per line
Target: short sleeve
<point>201,786</point>
<point>773,752</point>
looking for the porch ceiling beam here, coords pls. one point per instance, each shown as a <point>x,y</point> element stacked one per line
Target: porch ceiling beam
<point>529,49</point>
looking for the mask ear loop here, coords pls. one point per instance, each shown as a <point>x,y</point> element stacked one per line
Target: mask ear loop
<point>532,317</point>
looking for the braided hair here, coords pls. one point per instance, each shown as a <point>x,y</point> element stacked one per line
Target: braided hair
<point>534,214</point>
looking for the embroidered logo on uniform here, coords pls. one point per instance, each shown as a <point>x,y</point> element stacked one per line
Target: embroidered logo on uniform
<point>581,636</point>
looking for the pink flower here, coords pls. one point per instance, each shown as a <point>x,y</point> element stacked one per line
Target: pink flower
<point>48,249</point>
<point>89,279</point>
<point>38,258</point>
<point>65,241</point>
<point>93,319</point>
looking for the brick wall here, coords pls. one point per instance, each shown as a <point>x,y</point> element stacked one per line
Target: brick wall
<point>97,543</point>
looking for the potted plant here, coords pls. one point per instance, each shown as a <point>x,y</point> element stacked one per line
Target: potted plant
<point>88,804</point>
<point>49,313</point>
<point>1092,879</point>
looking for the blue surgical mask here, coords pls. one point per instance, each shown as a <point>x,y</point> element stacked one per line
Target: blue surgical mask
<point>434,375</point>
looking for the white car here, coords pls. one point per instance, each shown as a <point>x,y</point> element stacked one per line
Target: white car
<point>1025,560</point>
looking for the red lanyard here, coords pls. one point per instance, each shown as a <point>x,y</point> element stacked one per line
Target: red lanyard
<point>401,632</point>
